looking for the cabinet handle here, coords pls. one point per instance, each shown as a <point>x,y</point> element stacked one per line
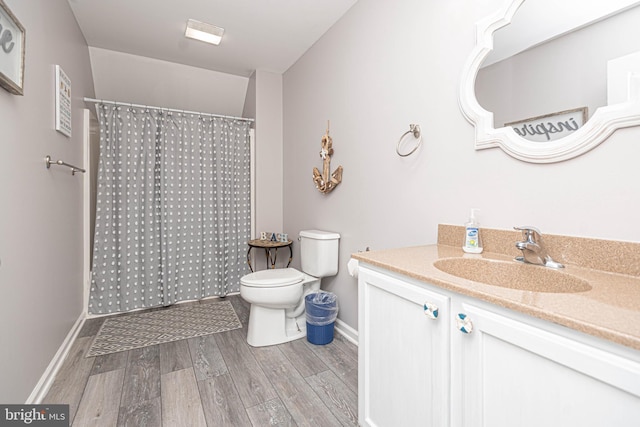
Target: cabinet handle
<point>431,310</point>
<point>464,324</point>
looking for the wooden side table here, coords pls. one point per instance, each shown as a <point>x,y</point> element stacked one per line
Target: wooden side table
<point>268,245</point>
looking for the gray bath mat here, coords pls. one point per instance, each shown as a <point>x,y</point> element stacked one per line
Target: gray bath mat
<point>161,326</point>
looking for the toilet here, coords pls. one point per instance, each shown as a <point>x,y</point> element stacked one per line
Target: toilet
<point>277,295</point>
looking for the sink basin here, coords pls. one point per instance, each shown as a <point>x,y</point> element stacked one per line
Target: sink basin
<point>513,275</point>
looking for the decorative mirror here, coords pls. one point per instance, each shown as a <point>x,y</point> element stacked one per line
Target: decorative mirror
<point>566,127</point>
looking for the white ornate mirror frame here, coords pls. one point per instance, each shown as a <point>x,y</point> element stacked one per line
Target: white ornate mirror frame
<point>598,128</point>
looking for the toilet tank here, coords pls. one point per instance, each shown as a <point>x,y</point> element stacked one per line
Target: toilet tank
<point>319,252</point>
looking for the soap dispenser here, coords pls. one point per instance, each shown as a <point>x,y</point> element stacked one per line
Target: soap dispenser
<point>472,243</point>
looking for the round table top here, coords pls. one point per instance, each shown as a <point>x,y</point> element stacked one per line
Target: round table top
<point>258,243</point>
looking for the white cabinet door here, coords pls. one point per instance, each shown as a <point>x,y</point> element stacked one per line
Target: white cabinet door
<point>403,353</point>
<point>511,373</point>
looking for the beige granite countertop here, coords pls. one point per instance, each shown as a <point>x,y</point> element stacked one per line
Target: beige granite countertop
<point>609,310</point>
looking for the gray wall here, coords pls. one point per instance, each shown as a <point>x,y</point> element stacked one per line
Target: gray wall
<point>139,80</point>
<point>41,249</point>
<point>386,65</point>
<point>249,107</point>
<point>263,102</point>
<point>269,157</point>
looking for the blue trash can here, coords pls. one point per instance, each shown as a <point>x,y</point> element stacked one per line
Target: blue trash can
<point>321,312</point>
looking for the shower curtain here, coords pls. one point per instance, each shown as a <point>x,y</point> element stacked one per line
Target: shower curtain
<point>173,212</point>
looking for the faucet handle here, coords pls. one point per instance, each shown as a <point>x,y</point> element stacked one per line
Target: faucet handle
<point>530,233</point>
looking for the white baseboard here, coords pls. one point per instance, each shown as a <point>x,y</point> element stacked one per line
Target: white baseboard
<point>46,380</point>
<point>347,331</point>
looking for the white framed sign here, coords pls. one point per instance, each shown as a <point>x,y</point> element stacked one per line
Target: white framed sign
<point>550,126</point>
<point>12,37</point>
<point>63,102</point>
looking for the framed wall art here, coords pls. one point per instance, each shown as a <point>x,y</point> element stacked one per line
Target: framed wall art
<point>12,35</point>
<point>63,102</point>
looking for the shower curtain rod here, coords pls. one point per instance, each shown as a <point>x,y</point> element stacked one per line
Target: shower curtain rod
<point>102,101</point>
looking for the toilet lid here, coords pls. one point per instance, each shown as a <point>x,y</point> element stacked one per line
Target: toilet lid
<point>273,277</point>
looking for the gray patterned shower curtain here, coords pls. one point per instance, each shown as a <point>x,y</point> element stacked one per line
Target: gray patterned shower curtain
<point>173,212</point>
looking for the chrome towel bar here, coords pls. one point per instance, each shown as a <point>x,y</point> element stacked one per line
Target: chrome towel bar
<point>74,169</point>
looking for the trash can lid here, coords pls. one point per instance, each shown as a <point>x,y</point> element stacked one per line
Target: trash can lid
<point>273,277</point>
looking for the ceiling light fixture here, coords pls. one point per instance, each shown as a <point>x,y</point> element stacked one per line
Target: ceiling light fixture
<point>204,32</point>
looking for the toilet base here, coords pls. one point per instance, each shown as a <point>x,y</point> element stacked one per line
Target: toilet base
<point>266,326</point>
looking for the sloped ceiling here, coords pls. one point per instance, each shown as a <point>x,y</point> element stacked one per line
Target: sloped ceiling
<point>269,35</point>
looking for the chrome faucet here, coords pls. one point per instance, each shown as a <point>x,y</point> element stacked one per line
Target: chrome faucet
<point>533,251</point>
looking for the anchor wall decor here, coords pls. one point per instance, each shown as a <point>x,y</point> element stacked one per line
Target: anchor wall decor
<point>324,182</point>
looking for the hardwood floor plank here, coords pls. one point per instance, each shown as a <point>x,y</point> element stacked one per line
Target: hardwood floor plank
<point>221,402</point>
<point>174,356</point>
<point>270,413</point>
<point>181,405</point>
<point>206,357</point>
<point>101,400</point>
<point>346,346</point>
<point>302,357</point>
<point>304,405</point>
<point>142,376</point>
<point>142,414</point>
<point>343,365</point>
<point>341,401</point>
<point>71,379</point>
<point>91,327</point>
<point>250,381</point>
<point>109,362</point>
<point>241,307</point>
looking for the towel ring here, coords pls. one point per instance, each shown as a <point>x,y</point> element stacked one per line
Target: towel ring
<point>415,130</point>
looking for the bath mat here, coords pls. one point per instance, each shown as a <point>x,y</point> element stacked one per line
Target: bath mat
<point>156,327</point>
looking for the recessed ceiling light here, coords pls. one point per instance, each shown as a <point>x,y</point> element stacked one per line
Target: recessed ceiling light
<point>204,32</point>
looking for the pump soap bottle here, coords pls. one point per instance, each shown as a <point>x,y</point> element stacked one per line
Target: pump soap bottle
<point>472,243</point>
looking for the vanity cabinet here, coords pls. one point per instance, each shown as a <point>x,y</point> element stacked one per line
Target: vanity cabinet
<point>403,367</point>
<point>503,368</point>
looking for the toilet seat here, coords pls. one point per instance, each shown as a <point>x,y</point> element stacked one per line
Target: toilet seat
<point>273,278</point>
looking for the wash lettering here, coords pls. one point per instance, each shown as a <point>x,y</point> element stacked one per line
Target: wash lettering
<point>550,127</point>
<point>6,39</point>
<point>547,129</point>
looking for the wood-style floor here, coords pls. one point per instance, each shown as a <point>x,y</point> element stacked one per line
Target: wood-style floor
<point>215,380</point>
